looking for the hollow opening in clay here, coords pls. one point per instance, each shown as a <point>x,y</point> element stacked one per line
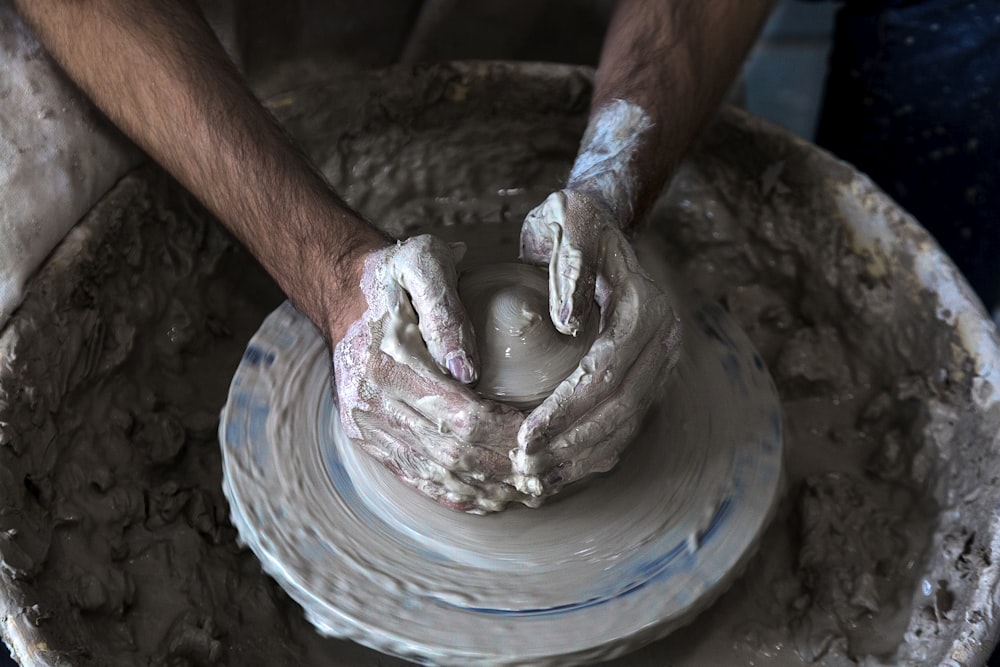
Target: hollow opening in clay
<point>522,355</point>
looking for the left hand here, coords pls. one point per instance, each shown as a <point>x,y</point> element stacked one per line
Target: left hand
<point>590,418</point>
<point>401,371</point>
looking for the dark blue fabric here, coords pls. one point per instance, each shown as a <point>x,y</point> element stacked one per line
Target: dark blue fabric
<point>913,100</point>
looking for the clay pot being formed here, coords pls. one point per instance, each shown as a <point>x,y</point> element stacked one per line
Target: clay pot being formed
<point>522,356</point>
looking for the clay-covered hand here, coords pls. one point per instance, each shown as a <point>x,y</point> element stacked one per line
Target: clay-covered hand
<point>401,372</point>
<point>590,418</point>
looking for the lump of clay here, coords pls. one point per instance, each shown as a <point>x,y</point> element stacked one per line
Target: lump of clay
<point>522,356</point>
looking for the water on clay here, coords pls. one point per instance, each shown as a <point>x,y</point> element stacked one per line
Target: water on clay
<point>135,561</point>
<point>521,355</point>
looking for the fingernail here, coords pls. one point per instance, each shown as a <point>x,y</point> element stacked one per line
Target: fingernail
<point>569,323</point>
<point>534,443</point>
<point>461,369</point>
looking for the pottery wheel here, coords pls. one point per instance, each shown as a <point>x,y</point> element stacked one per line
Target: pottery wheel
<point>626,559</point>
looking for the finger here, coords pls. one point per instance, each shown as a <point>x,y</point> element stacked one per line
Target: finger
<point>458,250</point>
<point>594,444</point>
<point>466,491</point>
<point>572,269</point>
<point>620,268</point>
<point>434,406</point>
<point>599,374</point>
<point>425,268</point>
<point>419,473</point>
<point>610,429</point>
<point>571,288</point>
<point>576,433</point>
<point>564,232</point>
<point>390,451</point>
<point>436,441</point>
<point>454,411</point>
<point>541,231</point>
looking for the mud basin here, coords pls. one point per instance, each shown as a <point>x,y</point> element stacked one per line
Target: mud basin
<point>115,541</point>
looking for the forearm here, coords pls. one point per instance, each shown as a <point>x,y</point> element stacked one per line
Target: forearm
<point>664,69</point>
<point>156,69</point>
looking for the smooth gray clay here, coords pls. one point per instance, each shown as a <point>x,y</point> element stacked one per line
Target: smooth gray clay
<point>522,356</point>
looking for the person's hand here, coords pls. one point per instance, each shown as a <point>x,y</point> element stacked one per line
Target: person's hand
<point>590,418</point>
<point>401,373</point>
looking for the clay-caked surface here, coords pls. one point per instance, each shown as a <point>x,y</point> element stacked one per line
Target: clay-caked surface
<point>114,535</point>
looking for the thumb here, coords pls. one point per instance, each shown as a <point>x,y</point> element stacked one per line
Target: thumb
<point>573,263</point>
<point>426,270</point>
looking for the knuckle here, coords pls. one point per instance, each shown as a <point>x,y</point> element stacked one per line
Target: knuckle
<point>419,244</point>
<point>447,455</point>
<point>465,424</point>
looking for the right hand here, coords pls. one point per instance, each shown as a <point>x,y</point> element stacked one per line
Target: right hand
<point>590,418</point>
<point>401,373</point>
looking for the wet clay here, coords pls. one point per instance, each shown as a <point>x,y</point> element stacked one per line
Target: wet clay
<point>522,356</point>
<point>116,543</point>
